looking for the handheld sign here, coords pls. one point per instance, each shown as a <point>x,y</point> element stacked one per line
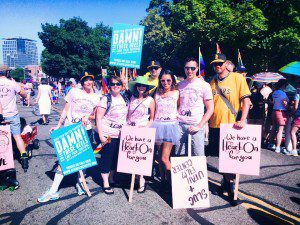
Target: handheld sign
<point>136,150</point>
<point>126,45</point>
<point>240,149</point>
<point>189,181</point>
<point>73,148</point>
<point>6,153</point>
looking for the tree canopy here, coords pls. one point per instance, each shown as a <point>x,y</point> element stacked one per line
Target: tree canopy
<point>266,31</point>
<point>73,47</point>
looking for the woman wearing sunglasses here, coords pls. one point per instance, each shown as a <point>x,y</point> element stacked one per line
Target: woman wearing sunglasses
<point>111,116</point>
<point>80,107</point>
<point>165,122</point>
<point>141,111</point>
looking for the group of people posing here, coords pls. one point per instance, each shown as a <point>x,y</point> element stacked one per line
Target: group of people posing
<point>157,101</point>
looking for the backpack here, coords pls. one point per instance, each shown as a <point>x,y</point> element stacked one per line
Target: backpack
<point>109,100</point>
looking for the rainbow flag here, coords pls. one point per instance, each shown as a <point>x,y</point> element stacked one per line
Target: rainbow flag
<point>104,81</point>
<point>134,74</point>
<point>201,64</point>
<point>218,48</point>
<point>240,62</point>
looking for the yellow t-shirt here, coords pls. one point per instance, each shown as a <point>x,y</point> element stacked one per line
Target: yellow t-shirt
<point>235,88</point>
<point>151,81</point>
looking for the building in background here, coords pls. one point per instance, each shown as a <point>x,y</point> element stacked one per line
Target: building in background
<point>19,52</point>
<point>34,72</point>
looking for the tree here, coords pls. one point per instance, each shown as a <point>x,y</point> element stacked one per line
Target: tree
<point>17,74</point>
<point>266,31</point>
<point>73,47</point>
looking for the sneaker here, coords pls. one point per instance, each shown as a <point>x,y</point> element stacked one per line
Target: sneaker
<point>79,187</point>
<point>48,196</point>
<point>24,161</point>
<point>277,150</point>
<point>271,147</point>
<point>287,152</point>
<point>294,152</point>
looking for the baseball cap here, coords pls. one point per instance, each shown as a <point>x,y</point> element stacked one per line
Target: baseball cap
<point>153,63</point>
<point>219,58</point>
<point>86,74</point>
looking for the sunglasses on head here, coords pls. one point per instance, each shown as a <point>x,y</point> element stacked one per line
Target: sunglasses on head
<point>153,68</point>
<point>218,64</point>
<point>115,84</point>
<point>192,68</point>
<point>168,81</point>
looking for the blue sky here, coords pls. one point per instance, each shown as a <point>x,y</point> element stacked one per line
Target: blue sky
<point>24,18</point>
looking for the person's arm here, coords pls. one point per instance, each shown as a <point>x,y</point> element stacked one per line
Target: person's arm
<point>245,110</point>
<point>99,120</point>
<point>38,96</point>
<point>152,110</point>
<point>62,117</point>
<point>22,93</point>
<point>209,105</point>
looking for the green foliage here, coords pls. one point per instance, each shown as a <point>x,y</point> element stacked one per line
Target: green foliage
<point>17,74</point>
<point>266,32</point>
<point>73,47</point>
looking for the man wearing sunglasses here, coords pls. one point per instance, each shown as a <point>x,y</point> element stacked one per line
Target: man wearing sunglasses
<point>154,68</point>
<point>235,89</point>
<point>194,94</point>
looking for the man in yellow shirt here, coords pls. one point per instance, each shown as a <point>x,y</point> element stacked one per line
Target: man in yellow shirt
<point>154,68</point>
<point>234,87</point>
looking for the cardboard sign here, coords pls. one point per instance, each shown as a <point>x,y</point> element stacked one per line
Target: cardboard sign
<point>136,150</point>
<point>6,153</point>
<point>189,182</point>
<point>73,148</point>
<point>240,149</point>
<point>126,45</point>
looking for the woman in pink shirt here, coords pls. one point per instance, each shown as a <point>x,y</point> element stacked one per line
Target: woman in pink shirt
<point>141,111</point>
<point>165,122</point>
<point>111,116</point>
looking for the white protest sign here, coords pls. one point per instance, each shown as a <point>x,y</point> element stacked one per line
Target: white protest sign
<point>239,151</point>
<point>136,150</point>
<point>189,182</point>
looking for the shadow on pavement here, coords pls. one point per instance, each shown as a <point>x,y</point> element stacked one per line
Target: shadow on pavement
<point>17,217</point>
<point>261,217</point>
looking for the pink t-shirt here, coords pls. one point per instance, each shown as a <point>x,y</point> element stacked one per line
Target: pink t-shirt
<point>192,97</point>
<point>81,104</point>
<point>138,114</point>
<point>8,91</point>
<point>166,107</point>
<point>116,116</point>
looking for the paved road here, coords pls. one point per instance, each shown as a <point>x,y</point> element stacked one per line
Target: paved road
<point>271,198</point>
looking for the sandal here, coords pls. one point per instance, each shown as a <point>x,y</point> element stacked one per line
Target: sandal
<point>108,190</point>
<point>142,189</point>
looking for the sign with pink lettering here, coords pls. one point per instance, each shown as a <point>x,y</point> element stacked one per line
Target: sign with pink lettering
<point>136,150</point>
<point>240,149</point>
<point>6,153</point>
<point>189,182</point>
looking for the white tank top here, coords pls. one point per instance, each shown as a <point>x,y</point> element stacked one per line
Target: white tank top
<point>166,107</point>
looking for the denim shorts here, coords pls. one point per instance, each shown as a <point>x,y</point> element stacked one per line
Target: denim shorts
<point>15,124</point>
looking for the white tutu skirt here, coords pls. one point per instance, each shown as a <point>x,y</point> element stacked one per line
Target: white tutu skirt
<point>166,132</point>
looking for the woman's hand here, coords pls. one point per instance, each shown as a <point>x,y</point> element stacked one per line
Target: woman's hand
<point>85,121</point>
<point>54,128</point>
<point>103,139</point>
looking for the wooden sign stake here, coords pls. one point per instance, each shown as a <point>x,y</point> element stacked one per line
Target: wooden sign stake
<point>86,188</point>
<point>131,188</point>
<point>189,145</point>
<point>236,187</point>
